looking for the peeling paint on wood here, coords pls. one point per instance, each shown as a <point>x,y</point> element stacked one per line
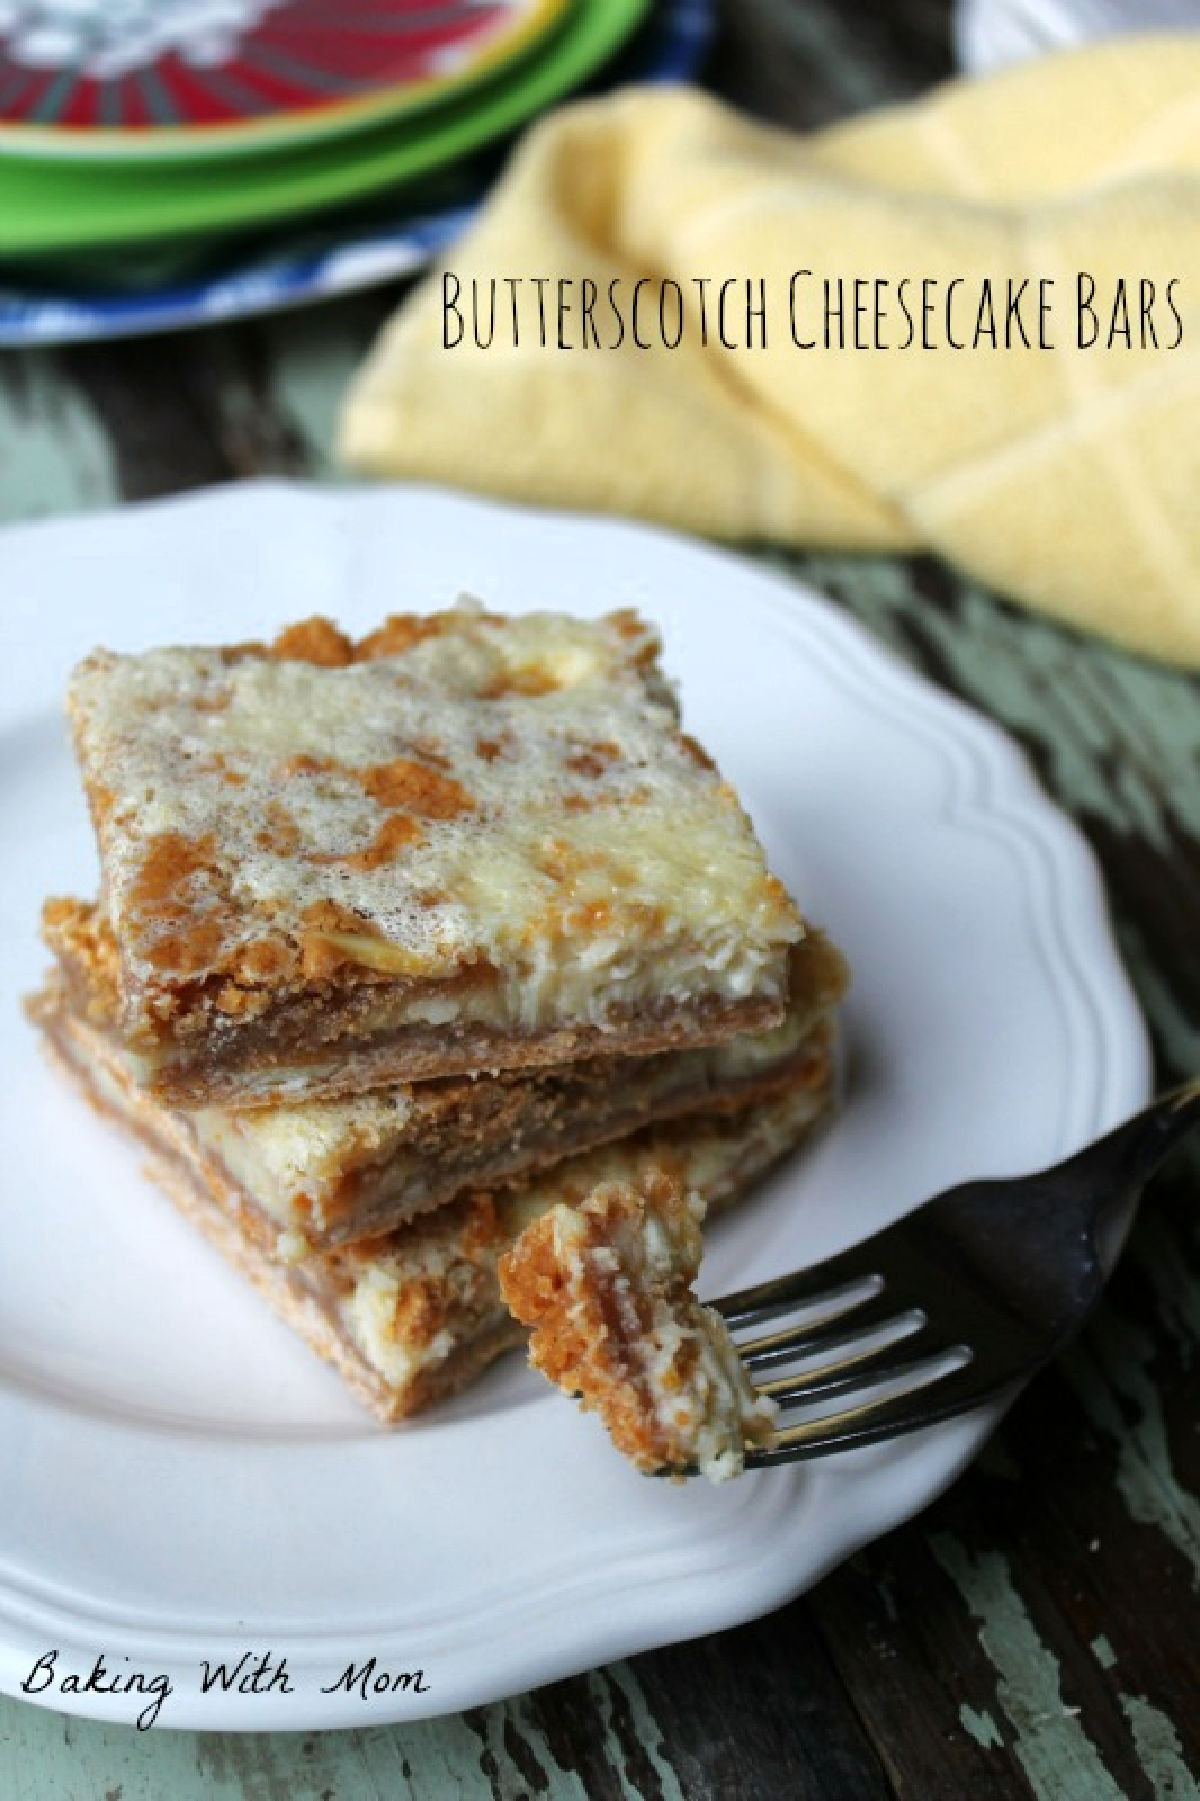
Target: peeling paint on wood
<point>633,1737</point>
<point>311,357</point>
<point>1060,1760</point>
<point>514,1758</point>
<point>1160,1751</point>
<point>981,1726</point>
<point>1144,1472</point>
<point>55,455</point>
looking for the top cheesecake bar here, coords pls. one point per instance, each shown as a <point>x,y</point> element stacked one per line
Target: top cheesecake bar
<point>466,841</point>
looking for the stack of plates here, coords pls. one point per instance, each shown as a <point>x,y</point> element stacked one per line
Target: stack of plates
<point>167,161</point>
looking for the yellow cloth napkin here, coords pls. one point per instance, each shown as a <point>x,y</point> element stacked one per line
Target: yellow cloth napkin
<point>1068,477</point>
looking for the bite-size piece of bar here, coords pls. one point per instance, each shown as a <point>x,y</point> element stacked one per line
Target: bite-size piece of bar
<point>606,1290</point>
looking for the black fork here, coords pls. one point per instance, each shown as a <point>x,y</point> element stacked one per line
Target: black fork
<point>954,1304</point>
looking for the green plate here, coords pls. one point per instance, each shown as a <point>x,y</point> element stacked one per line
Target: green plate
<point>57,206</point>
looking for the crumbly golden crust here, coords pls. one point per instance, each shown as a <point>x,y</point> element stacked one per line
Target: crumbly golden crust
<point>464,833</point>
<point>606,1289</point>
<point>409,1317</point>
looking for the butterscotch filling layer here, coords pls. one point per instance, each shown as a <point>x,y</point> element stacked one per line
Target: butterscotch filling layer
<point>362,1166</point>
<point>467,829</point>
<point>338,1170</point>
<point>410,1316</point>
<point>321,1049</point>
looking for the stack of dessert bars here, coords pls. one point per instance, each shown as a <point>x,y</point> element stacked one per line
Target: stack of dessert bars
<point>401,942</point>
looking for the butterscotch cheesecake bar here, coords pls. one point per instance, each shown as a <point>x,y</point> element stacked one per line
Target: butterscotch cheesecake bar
<point>466,841</point>
<point>329,1172</point>
<point>606,1288</point>
<point>409,1317</point>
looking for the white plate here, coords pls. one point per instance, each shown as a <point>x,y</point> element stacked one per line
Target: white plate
<point>181,1480</point>
<point>994,34</point>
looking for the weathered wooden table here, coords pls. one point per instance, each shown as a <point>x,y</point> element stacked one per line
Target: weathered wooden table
<point>1037,1632</point>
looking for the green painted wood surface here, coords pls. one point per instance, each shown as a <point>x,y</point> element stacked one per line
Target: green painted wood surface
<point>1035,1633</point>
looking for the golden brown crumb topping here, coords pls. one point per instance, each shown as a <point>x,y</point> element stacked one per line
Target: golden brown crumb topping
<point>315,641</point>
<point>470,791</point>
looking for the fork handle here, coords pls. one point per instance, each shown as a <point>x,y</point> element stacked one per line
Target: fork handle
<point>1119,1165</point>
<point>1135,1150</point>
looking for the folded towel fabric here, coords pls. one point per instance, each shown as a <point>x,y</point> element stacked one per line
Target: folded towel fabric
<point>1067,476</point>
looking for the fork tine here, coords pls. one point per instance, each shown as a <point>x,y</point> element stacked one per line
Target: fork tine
<point>943,1394</point>
<point>968,1266</point>
<point>801,1288</point>
<point>809,1337</point>
<point>852,1364</point>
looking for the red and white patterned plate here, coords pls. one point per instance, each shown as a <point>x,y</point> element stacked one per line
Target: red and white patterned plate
<point>186,78</point>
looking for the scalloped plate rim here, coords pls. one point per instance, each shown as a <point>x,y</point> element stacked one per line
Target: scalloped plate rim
<point>662,1587</point>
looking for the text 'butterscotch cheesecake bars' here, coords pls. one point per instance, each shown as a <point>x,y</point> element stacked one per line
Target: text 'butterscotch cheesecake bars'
<point>466,841</point>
